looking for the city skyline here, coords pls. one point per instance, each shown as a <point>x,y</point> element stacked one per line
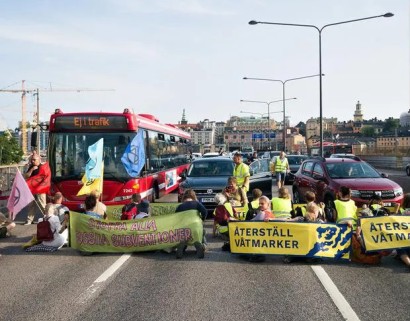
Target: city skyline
<point>163,57</point>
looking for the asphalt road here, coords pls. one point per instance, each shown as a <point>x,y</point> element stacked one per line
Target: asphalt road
<point>155,286</point>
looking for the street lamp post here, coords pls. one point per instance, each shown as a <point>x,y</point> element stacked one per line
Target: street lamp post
<point>283,98</point>
<point>268,104</point>
<point>253,22</point>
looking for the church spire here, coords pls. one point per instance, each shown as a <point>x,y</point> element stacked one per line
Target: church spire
<point>183,120</point>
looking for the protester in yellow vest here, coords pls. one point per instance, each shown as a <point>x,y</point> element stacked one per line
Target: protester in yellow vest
<point>282,205</point>
<point>279,168</point>
<point>241,172</point>
<point>345,208</point>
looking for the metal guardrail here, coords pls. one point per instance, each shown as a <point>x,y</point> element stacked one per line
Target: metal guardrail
<point>7,173</point>
<point>388,162</point>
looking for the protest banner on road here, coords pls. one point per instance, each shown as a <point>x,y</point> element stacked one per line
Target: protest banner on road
<point>385,232</point>
<point>283,238</point>
<point>89,234</point>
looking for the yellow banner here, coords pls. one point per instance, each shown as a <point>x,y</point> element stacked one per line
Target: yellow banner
<point>385,232</point>
<point>90,234</point>
<point>282,238</point>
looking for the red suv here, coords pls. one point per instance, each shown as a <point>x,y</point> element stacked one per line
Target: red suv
<point>325,176</point>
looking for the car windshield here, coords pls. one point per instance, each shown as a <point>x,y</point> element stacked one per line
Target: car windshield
<point>211,168</point>
<point>296,160</point>
<point>351,170</point>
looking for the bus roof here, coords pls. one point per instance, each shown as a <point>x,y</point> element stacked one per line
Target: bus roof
<point>95,121</point>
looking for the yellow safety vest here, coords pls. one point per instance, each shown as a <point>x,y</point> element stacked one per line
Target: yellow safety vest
<point>240,172</point>
<point>255,204</point>
<point>281,165</point>
<point>281,207</point>
<point>346,211</point>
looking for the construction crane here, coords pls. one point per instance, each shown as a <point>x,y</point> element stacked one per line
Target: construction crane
<point>36,92</point>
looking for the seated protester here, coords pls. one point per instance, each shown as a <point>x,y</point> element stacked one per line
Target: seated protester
<point>65,226</point>
<point>345,208</point>
<point>375,207</point>
<point>235,195</point>
<point>129,211</point>
<point>6,225</point>
<point>58,240</point>
<point>282,205</point>
<point>190,202</point>
<point>143,210</point>
<point>264,213</point>
<point>100,207</point>
<point>59,208</point>
<point>253,206</point>
<point>313,213</point>
<point>224,212</point>
<point>90,203</point>
<point>404,254</point>
<point>310,198</point>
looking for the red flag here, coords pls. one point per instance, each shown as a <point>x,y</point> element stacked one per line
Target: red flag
<point>20,195</point>
<point>40,183</point>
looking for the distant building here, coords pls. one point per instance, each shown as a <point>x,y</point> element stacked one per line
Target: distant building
<point>405,119</point>
<point>358,115</point>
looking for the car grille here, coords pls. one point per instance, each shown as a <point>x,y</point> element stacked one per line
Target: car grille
<point>389,194</point>
<point>205,191</point>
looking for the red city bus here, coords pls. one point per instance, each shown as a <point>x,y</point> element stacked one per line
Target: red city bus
<point>330,148</point>
<point>166,149</point>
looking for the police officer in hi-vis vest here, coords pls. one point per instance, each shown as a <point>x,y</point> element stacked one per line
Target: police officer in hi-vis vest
<point>280,167</point>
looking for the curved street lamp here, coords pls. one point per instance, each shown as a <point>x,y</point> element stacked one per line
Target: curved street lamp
<point>268,104</point>
<point>254,22</point>
<point>283,98</point>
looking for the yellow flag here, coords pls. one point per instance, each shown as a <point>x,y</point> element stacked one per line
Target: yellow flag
<point>92,184</point>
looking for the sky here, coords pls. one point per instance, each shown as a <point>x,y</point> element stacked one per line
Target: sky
<point>161,57</point>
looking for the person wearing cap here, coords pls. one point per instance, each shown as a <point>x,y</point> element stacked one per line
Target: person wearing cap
<point>280,166</point>
<point>241,172</point>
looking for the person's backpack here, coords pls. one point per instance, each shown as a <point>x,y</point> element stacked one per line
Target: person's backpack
<point>129,211</point>
<point>297,212</point>
<point>44,232</point>
<point>330,214</point>
<point>251,212</point>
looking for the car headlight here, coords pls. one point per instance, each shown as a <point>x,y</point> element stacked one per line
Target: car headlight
<point>398,192</point>
<point>355,193</point>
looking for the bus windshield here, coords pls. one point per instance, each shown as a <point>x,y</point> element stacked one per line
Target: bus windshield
<point>68,154</point>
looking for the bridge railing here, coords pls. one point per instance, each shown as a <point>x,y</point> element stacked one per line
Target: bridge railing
<point>7,174</point>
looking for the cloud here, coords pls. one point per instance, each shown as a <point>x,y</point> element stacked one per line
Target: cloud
<point>178,6</point>
<point>51,36</point>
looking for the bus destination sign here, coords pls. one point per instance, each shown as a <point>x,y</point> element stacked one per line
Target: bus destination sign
<point>90,122</point>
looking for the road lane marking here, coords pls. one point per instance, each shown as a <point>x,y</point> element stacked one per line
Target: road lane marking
<point>337,297</point>
<point>114,267</point>
<point>99,282</point>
